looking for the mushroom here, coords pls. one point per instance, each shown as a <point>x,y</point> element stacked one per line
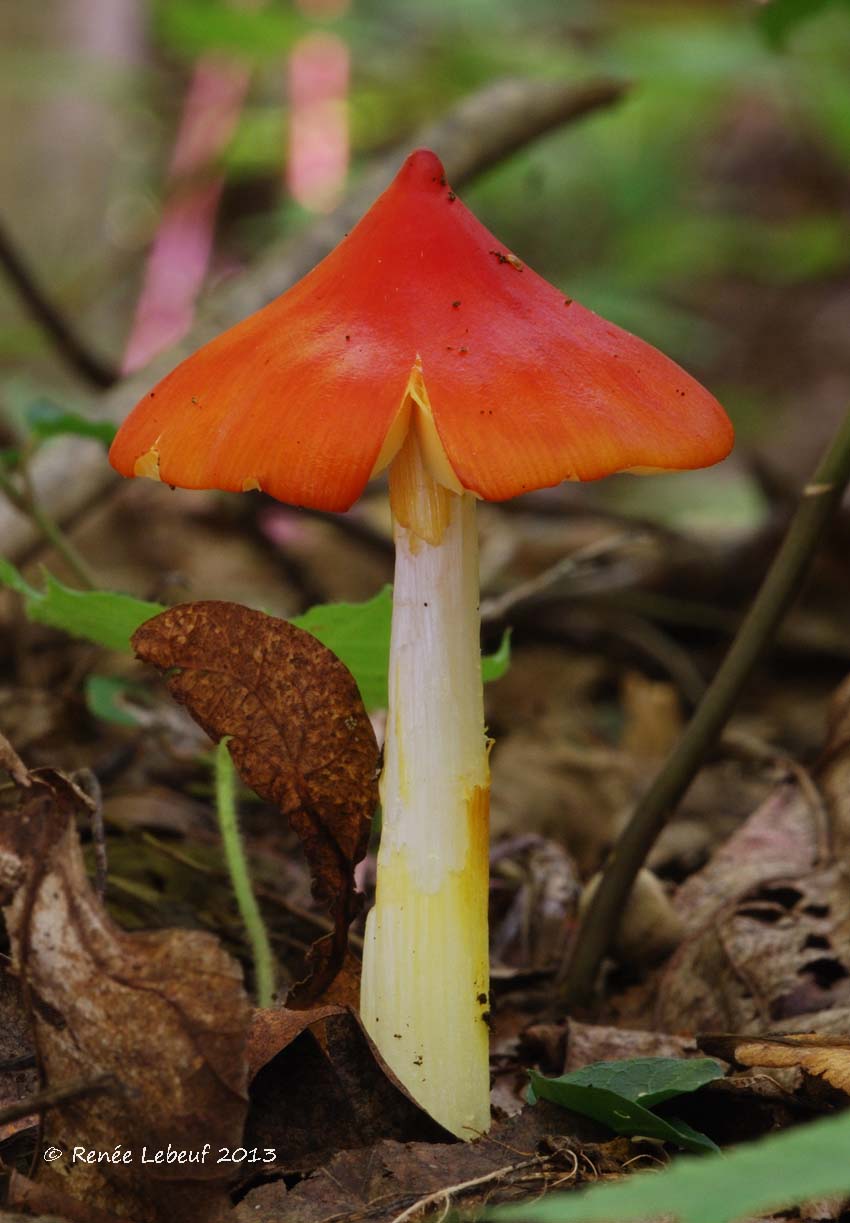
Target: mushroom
<point>422,345</point>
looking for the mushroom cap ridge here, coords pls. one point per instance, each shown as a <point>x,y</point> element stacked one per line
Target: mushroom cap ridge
<point>526,387</point>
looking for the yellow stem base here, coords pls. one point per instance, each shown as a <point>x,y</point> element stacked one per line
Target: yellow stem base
<point>425,984</point>
<point>424,992</point>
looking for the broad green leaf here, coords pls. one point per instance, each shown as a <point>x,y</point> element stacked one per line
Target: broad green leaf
<point>759,1178</point>
<point>646,1080</point>
<point>47,419</point>
<point>358,633</point>
<point>101,616</point>
<point>622,1115</point>
<point>105,699</point>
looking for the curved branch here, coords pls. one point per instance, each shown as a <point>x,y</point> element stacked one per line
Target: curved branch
<point>51,320</point>
<point>820,499</point>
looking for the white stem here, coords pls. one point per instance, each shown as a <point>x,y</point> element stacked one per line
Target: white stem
<point>425,965</point>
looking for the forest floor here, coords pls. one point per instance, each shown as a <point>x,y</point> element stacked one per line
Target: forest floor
<point>742,928</point>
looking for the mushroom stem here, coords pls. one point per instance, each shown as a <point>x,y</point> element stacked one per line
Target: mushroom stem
<point>425,967</point>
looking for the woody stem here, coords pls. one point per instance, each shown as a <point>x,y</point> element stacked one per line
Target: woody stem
<point>821,498</point>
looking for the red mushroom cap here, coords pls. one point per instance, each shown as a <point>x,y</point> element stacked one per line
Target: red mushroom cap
<point>526,387</point>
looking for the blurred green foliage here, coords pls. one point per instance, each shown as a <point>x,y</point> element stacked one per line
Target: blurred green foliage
<point>193,27</point>
<point>358,633</point>
<point>716,190</point>
<point>778,18</point>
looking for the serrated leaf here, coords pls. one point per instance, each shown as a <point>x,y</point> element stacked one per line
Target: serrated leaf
<point>759,1178</point>
<point>622,1115</point>
<point>358,633</point>
<point>100,616</point>
<point>11,577</point>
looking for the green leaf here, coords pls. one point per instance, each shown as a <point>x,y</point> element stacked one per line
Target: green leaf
<point>101,616</point>
<point>97,615</point>
<point>358,633</point>
<point>646,1080</point>
<point>494,666</point>
<point>105,698</point>
<point>9,576</point>
<point>759,1178</point>
<point>619,1112</point>
<point>46,419</point>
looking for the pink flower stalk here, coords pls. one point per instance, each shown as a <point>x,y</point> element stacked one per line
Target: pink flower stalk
<point>318,127</point>
<point>181,250</point>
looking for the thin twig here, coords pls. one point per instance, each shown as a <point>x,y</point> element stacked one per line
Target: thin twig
<point>50,319</point>
<point>557,580</point>
<point>237,864</point>
<point>25,501</point>
<point>51,1096</point>
<point>11,762</point>
<point>88,782</point>
<point>821,498</point>
<point>445,1194</point>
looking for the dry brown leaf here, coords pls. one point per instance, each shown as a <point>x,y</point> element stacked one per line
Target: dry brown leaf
<point>835,769</point>
<point>273,1028</point>
<point>325,1089</point>
<point>12,763</point>
<point>534,890</point>
<point>767,927</point>
<point>784,836</point>
<point>35,1197</point>
<point>299,736</point>
<point>649,929</point>
<point>652,718</point>
<point>826,1057</point>
<point>518,1157</point>
<point>587,1043</point>
<point>18,1078</point>
<point>6,1217</point>
<point>164,1013</point>
<point>776,956</point>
